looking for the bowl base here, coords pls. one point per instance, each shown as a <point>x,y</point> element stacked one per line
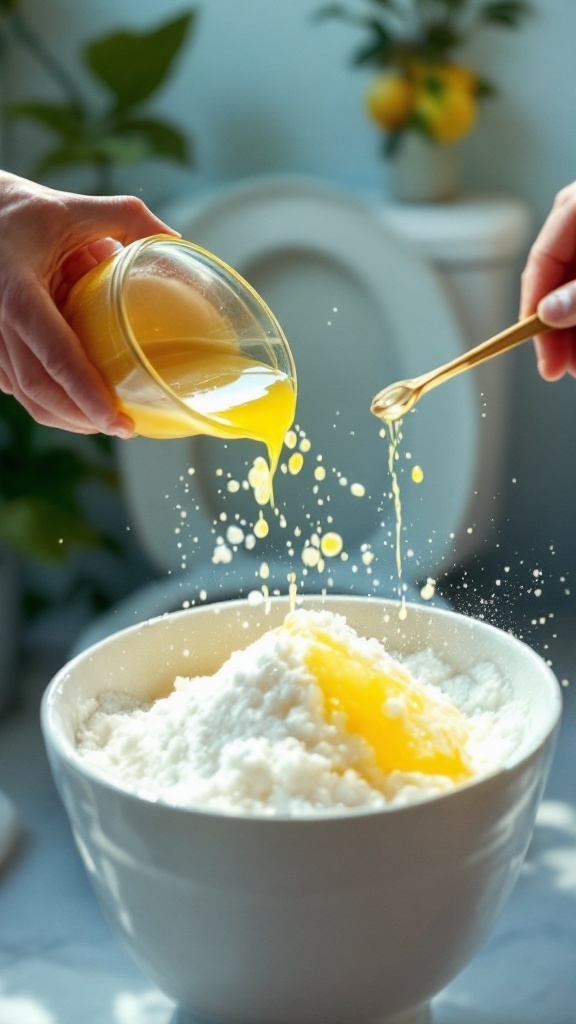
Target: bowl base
<point>417,1015</point>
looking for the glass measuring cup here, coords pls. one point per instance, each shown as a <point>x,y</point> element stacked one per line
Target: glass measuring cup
<point>185,343</point>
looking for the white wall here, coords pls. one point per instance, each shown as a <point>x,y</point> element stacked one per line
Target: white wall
<point>262,88</point>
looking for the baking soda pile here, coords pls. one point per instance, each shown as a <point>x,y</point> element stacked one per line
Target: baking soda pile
<point>255,738</point>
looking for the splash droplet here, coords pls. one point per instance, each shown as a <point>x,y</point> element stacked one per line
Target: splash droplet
<point>331,544</point>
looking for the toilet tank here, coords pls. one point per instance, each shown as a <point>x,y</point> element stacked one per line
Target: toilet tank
<point>478,245</point>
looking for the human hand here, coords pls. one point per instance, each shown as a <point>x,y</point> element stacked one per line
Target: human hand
<point>48,240</point>
<point>549,288</point>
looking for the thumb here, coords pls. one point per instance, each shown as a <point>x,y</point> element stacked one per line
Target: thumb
<point>124,218</point>
<point>78,263</point>
<point>558,309</point>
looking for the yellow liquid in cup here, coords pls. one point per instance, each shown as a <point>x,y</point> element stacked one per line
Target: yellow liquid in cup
<point>210,385</point>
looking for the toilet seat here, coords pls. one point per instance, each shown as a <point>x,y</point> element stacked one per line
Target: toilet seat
<point>360,309</point>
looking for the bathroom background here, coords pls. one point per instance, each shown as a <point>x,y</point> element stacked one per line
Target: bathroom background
<point>263,88</point>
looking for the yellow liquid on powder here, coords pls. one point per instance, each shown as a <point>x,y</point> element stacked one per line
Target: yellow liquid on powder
<point>409,729</point>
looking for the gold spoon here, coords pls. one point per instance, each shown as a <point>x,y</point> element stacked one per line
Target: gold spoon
<point>397,399</point>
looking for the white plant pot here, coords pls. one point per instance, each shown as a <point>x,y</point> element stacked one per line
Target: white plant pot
<point>421,171</point>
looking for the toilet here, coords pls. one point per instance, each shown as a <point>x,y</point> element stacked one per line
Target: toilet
<point>367,294</point>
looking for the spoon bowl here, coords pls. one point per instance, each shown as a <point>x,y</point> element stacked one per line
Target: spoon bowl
<point>396,400</point>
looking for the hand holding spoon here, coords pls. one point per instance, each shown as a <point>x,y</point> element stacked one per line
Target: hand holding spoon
<point>397,399</point>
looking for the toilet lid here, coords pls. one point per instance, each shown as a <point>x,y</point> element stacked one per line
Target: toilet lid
<point>360,310</point>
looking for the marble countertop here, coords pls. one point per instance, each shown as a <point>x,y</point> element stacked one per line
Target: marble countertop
<point>61,964</point>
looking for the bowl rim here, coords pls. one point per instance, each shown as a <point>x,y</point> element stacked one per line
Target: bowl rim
<point>55,739</point>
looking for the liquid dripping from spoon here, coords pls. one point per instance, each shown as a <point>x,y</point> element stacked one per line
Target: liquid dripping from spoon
<point>395,436</point>
<point>395,401</point>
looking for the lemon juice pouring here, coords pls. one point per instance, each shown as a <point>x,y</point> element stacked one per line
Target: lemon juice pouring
<point>186,345</point>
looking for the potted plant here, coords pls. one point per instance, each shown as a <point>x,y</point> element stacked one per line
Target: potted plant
<point>44,516</point>
<point>423,98</point>
<point>43,472</point>
<point>128,68</point>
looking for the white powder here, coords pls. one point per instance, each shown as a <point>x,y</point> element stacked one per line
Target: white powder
<point>255,739</point>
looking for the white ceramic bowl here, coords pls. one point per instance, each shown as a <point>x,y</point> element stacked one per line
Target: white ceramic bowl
<point>362,916</point>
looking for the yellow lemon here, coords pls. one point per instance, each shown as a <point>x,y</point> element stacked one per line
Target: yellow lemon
<point>459,76</point>
<point>447,113</point>
<point>389,100</point>
<point>438,76</point>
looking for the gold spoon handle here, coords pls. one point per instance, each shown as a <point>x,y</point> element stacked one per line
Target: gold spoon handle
<point>507,339</point>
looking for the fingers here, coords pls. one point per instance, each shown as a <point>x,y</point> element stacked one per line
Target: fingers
<point>59,412</point>
<point>554,354</point>
<point>100,226</point>
<point>5,382</point>
<point>558,308</point>
<point>42,226</point>
<point>125,218</point>
<point>548,287</point>
<point>552,258</point>
<point>78,263</point>
<point>556,350</point>
<point>49,240</point>
<point>51,375</point>
<point>543,274</point>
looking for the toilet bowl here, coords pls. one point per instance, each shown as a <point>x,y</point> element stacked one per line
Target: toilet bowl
<point>361,306</point>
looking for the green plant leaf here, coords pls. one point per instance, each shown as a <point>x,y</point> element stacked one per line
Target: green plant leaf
<point>132,65</point>
<point>336,10</point>
<point>83,587</point>
<point>57,471</point>
<point>379,48</point>
<point>120,148</point>
<point>61,470</point>
<point>161,139</point>
<point>62,118</point>
<point>441,39</point>
<point>103,443</point>
<point>34,604</point>
<point>130,146</point>
<point>98,149</point>
<point>9,5</point>
<point>40,528</point>
<point>17,426</point>
<point>333,11</point>
<point>377,54</point>
<point>504,12</point>
<point>453,6</point>
<point>341,13</point>
<point>32,466</point>
<point>484,88</point>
